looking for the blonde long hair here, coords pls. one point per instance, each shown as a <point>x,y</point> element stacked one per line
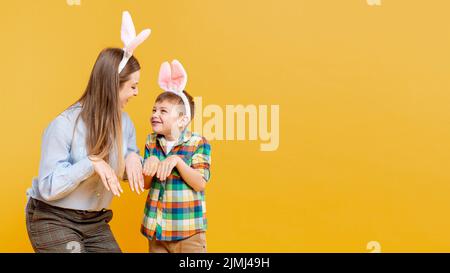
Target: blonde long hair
<point>101,111</point>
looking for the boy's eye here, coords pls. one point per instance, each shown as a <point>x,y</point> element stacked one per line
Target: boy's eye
<point>164,111</point>
<point>153,111</point>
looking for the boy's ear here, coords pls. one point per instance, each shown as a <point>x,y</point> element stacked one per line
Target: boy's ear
<point>183,121</point>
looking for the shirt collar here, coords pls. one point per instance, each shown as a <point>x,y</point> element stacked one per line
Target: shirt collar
<point>184,137</point>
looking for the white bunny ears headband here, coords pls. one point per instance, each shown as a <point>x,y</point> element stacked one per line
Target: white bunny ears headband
<point>173,78</point>
<point>129,38</point>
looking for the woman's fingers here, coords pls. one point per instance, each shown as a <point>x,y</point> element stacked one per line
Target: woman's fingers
<point>133,181</point>
<point>130,181</point>
<point>101,170</point>
<point>137,181</point>
<point>114,183</point>
<point>108,177</point>
<point>104,181</point>
<point>136,184</point>
<point>139,177</point>
<point>119,187</point>
<point>137,172</point>
<point>113,187</point>
<point>110,182</point>
<point>141,181</point>
<point>116,187</point>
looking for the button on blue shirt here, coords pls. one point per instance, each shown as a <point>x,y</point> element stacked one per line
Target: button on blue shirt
<point>66,176</point>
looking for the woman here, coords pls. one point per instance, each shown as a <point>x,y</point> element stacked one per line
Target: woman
<point>86,150</point>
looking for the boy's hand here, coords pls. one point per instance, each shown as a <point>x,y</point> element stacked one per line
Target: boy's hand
<point>151,166</point>
<point>166,166</point>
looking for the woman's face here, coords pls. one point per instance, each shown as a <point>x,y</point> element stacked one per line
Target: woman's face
<point>129,89</point>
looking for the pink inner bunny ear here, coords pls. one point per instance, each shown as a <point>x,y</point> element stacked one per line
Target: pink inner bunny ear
<point>165,76</point>
<point>179,76</point>
<point>138,40</point>
<point>128,32</point>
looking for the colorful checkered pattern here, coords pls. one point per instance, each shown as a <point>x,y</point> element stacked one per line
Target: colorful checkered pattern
<point>173,210</point>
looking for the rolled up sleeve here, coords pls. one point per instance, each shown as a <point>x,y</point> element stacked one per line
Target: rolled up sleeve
<point>201,159</point>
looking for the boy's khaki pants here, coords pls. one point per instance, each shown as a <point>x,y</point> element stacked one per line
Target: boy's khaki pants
<point>194,244</point>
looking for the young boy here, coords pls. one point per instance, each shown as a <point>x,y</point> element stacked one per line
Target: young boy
<point>176,169</point>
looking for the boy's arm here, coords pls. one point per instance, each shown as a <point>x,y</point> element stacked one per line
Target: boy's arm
<point>198,174</point>
<point>191,176</point>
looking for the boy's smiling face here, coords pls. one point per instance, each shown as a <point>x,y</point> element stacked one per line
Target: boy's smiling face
<point>166,119</point>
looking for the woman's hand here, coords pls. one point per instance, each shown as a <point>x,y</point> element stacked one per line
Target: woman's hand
<point>107,175</point>
<point>133,167</point>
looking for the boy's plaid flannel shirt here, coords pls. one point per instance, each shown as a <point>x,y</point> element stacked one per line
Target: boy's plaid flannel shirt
<point>173,210</point>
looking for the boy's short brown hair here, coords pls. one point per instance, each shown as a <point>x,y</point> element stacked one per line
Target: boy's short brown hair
<point>175,99</point>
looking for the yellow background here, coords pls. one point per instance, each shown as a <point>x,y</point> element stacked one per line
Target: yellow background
<point>364,114</point>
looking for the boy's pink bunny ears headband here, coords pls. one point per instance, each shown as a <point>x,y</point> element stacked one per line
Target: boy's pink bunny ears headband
<point>173,78</point>
<point>129,38</point>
